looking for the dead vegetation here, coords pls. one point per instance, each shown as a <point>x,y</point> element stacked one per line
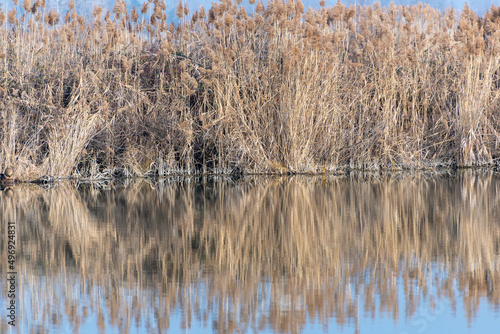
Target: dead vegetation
<point>274,89</point>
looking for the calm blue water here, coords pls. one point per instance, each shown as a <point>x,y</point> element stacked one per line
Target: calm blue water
<point>85,7</point>
<point>360,254</point>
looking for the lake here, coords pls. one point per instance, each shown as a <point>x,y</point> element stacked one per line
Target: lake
<point>359,253</point>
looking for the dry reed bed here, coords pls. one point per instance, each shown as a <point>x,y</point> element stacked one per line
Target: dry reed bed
<point>271,89</point>
<point>322,242</point>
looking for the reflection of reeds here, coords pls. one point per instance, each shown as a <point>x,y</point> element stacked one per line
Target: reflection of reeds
<point>321,242</point>
<point>278,90</point>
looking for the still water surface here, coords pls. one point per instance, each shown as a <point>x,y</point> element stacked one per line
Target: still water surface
<point>360,254</point>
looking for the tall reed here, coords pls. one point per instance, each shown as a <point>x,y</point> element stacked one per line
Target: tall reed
<point>274,89</point>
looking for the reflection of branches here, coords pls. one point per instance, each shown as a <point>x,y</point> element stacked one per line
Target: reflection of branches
<point>321,243</point>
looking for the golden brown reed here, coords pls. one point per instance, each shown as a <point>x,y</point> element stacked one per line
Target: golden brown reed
<point>274,90</point>
<point>324,243</point>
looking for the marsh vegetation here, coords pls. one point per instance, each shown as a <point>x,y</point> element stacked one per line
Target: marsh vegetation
<point>273,89</point>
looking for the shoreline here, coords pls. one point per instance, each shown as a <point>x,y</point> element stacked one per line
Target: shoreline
<point>280,90</point>
<point>341,172</point>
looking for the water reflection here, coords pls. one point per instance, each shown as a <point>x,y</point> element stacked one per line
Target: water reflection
<point>255,254</point>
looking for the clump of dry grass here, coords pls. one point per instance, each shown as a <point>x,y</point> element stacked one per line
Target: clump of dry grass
<point>278,89</point>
